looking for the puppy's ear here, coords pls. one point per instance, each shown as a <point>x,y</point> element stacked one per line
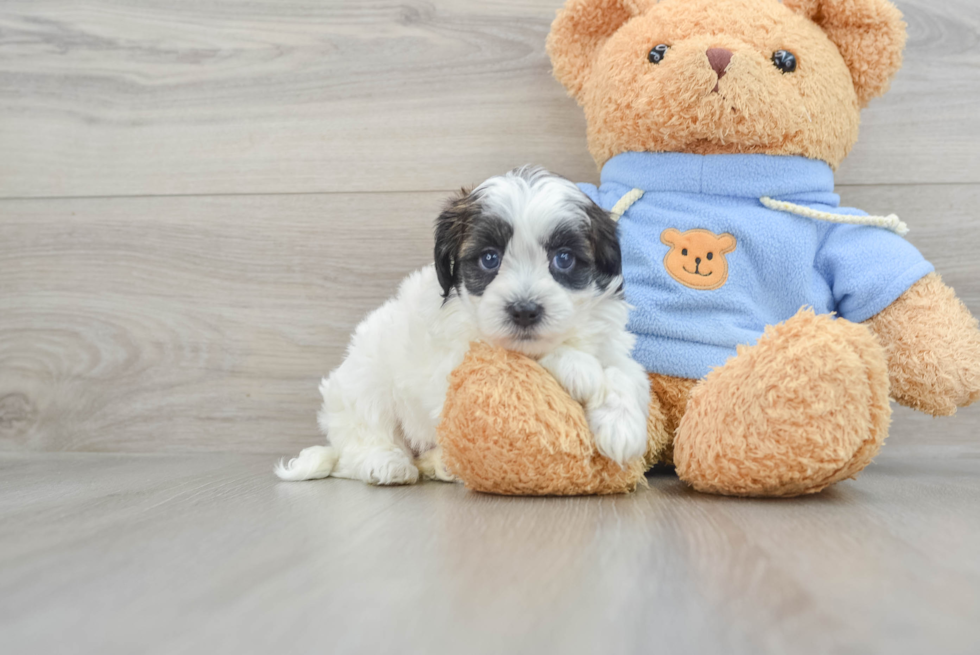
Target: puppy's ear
<point>605,244</point>
<point>451,228</point>
<point>869,34</point>
<point>579,31</point>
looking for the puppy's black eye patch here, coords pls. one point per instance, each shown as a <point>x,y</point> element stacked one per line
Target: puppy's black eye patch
<point>488,235</point>
<point>566,236</point>
<point>568,243</point>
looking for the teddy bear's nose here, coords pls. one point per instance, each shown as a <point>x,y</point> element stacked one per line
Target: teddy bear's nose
<point>719,59</point>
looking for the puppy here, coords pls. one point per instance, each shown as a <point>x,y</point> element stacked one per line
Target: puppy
<point>525,261</point>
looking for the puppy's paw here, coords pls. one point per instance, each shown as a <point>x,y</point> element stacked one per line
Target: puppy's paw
<point>385,467</point>
<point>619,435</point>
<point>579,373</point>
<point>619,422</point>
<point>431,466</point>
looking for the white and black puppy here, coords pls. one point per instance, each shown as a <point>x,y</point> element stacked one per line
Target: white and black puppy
<point>525,261</point>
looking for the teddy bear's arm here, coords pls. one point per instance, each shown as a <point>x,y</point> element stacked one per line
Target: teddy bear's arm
<point>933,348</point>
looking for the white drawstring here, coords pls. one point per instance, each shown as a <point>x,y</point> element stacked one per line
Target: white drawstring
<point>890,222</point>
<point>625,203</point>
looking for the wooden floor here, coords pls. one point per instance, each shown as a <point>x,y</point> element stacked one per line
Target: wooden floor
<point>199,200</point>
<point>209,554</point>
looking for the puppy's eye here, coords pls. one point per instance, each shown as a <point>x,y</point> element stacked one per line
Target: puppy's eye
<point>784,60</point>
<point>490,260</point>
<point>564,260</point>
<point>710,255</point>
<point>657,54</point>
<point>684,252</point>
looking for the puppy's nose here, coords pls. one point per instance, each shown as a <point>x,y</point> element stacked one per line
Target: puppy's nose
<point>719,58</point>
<point>525,312</point>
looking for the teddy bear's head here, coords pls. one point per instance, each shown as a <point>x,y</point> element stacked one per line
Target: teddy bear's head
<point>726,76</point>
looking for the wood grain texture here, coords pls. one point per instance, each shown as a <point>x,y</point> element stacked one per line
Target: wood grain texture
<point>210,554</point>
<point>105,98</point>
<point>189,323</point>
<point>204,323</point>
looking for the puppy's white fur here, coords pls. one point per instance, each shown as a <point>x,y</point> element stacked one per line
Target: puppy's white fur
<point>382,404</point>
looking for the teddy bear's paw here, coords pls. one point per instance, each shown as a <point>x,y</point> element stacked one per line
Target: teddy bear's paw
<point>933,348</point>
<point>939,389</point>
<point>579,373</point>
<point>619,421</point>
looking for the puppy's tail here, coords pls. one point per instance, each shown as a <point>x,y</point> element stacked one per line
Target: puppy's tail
<point>312,463</point>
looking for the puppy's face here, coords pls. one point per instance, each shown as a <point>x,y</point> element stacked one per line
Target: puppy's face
<point>529,255</point>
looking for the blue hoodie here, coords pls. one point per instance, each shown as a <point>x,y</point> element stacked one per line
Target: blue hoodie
<point>690,313</point>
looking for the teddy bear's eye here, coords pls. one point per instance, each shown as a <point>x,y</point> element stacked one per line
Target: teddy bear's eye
<point>684,252</point>
<point>784,60</point>
<point>657,54</point>
<point>710,255</point>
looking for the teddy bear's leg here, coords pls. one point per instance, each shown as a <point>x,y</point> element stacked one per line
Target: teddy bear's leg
<point>671,395</point>
<point>933,348</point>
<point>803,408</point>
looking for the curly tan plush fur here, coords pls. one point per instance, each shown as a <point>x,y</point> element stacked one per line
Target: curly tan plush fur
<point>509,428</point>
<point>803,408</point>
<point>933,348</point>
<point>672,395</point>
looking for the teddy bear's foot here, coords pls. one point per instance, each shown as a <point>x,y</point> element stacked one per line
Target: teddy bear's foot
<point>805,407</point>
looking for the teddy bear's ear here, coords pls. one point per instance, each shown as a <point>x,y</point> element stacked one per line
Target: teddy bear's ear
<point>870,35</point>
<point>726,242</point>
<point>578,32</point>
<point>669,236</point>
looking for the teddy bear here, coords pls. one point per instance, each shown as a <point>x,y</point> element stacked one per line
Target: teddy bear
<point>775,324</point>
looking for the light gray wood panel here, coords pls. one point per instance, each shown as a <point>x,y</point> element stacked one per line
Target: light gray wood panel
<point>210,554</point>
<point>163,97</point>
<point>204,323</point>
<point>189,323</point>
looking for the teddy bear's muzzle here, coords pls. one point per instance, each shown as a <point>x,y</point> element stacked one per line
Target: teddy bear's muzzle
<point>719,58</point>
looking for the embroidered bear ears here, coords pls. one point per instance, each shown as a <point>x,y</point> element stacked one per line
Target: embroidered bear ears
<point>869,34</point>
